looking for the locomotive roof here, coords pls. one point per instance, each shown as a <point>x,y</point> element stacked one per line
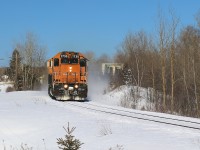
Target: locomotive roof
<point>70,52</point>
<point>58,54</point>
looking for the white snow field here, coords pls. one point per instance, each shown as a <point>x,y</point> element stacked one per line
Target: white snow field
<point>32,118</point>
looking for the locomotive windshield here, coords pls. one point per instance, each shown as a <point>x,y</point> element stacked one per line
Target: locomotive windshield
<point>73,59</point>
<point>64,60</point>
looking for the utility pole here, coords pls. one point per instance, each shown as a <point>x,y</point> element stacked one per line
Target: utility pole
<point>1,72</point>
<point>0,66</point>
<point>18,77</point>
<point>16,67</point>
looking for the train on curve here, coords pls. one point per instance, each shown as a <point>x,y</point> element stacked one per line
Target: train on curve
<point>67,76</point>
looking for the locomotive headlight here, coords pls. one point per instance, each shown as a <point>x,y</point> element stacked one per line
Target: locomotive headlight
<point>76,86</point>
<point>65,86</point>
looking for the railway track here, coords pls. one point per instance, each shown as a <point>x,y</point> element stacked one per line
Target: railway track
<point>190,124</point>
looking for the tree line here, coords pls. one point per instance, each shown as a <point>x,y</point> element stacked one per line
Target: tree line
<point>27,64</point>
<point>169,64</point>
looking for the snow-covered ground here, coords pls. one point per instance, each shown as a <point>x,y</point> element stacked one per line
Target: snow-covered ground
<point>32,118</point>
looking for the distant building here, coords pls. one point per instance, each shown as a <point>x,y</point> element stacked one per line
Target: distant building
<point>4,78</point>
<point>112,68</point>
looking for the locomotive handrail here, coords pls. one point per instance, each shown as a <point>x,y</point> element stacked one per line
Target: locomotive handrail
<point>65,76</point>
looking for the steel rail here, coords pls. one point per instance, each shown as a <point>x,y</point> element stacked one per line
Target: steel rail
<point>134,117</point>
<point>149,115</point>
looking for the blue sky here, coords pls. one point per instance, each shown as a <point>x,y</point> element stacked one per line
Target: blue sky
<point>83,25</point>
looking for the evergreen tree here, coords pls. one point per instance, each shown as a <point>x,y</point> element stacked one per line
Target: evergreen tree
<point>69,143</point>
<point>127,76</point>
<point>15,69</point>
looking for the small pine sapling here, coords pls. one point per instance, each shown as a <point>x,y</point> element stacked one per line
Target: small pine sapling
<point>69,143</point>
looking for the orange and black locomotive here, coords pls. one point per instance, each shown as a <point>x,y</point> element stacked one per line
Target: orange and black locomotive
<point>67,76</point>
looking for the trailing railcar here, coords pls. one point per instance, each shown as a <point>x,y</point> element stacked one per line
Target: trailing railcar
<point>67,76</point>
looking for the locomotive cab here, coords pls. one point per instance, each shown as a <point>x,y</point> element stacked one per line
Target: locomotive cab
<point>67,76</point>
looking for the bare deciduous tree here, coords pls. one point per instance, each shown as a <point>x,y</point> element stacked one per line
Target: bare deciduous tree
<point>173,28</point>
<point>170,65</point>
<point>33,56</point>
<point>163,41</point>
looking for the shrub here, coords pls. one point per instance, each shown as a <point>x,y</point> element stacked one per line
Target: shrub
<point>10,89</point>
<point>22,147</point>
